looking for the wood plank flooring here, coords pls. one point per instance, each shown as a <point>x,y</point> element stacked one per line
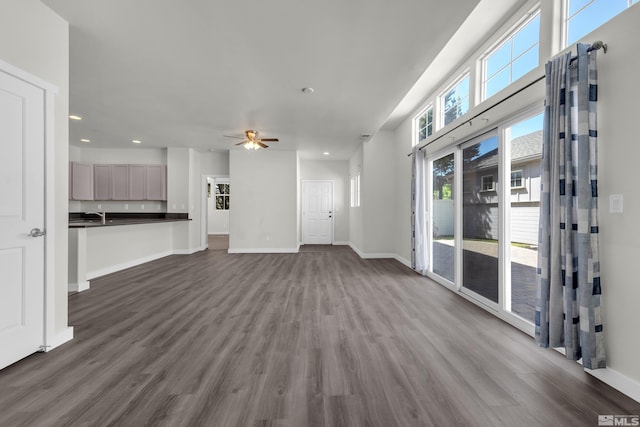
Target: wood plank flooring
<point>319,338</point>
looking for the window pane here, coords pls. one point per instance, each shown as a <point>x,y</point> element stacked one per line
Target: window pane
<point>480,220</point>
<point>443,217</point>
<point>456,101</point>
<point>576,5</point>
<point>497,83</point>
<point>526,37</point>
<point>226,202</point>
<point>463,88</point>
<point>526,153</point>
<point>220,202</point>
<point>596,14</point>
<point>524,64</point>
<point>499,59</point>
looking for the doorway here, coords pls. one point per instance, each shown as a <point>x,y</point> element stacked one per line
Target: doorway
<point>317,212</point>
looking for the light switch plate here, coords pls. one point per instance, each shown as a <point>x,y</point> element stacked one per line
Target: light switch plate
<point>616,203</point>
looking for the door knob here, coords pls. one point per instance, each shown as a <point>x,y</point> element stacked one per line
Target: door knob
<point>36,232</point>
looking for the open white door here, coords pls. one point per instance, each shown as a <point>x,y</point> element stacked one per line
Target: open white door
<point>22,219</point>
<point>317,212</point>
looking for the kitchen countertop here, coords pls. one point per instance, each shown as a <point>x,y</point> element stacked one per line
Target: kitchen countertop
<point>83,220</point>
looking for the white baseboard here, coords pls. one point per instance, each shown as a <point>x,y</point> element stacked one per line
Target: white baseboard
<point>128,264</point>
<point>371,255</point>
<point>59,339</point>
<point>212,233</point>
<point>618,381</point>
<point>403,261</point>
<point>188,251</point>
<point>264,251</point>
<point>340,243</point>
<point>79,287</point>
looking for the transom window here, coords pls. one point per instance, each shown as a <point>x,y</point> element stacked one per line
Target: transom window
<point>424,125</point>
<point>513,58</point>
<point>583,16</point>
<point>455,100</point>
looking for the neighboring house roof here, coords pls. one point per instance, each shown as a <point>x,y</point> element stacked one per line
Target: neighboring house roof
<point>523,148</point>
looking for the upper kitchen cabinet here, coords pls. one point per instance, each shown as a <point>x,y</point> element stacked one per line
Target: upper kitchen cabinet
<point>120,182</point>
<point>81,179</point>
<point>137,182</point>
<point>156,182</point>
<point>102,182</point>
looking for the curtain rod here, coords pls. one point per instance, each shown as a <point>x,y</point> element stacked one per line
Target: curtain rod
<point>594,46</point>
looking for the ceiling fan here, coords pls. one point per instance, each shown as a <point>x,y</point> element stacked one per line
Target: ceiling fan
<point>252,140</point>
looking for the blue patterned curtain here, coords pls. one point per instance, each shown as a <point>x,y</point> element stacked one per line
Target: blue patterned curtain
<point>568,310</point>
<point>419,258</point>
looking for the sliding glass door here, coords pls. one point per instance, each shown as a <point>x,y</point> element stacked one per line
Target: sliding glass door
<point>484,212</point>
<point>443,217</point>
<point>524,139</point>
<point>480,223</point>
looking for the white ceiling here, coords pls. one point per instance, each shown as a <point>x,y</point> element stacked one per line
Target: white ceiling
<point>185,73</point>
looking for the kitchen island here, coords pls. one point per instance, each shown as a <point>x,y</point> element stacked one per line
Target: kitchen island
<point>124,240</point>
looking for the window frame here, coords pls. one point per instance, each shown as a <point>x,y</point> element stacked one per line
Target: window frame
<point>493,184</point>
<point>508,36</point>
<point>566,18</point>
<point>441,98</point>
<point>515,187</point>
<point>416,121</point>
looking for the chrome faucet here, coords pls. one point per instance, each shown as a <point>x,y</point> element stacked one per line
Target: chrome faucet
<point>102,215</point>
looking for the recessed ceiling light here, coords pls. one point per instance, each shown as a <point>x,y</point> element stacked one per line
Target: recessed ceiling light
<point>85,140</point>
<point>307,90</point>
<point>74,117</point>
<point>135,141</point>
<point>326,153</point>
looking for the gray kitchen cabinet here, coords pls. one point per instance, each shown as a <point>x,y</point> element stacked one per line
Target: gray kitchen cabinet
<point>120,182</point>
<point>156,182</point>
<point>137,182</point>
<point>81,179</point>
<point>102,182</point>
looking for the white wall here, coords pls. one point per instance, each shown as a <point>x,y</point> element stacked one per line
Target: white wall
<point>402,241</point>
<point>618,154</point>
<point>263,214</point>
<point>336,171</point>
<point>378,194</point>
<point>215,163</point>
<point>36,40</point>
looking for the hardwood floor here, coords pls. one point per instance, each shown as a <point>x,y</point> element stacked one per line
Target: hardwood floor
<point>316,338</point>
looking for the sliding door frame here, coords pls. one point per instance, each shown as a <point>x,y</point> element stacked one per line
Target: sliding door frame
<point>503,308</point>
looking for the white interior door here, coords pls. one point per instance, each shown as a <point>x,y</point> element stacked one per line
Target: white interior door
<point>317,212</point>
<point>21,211</point>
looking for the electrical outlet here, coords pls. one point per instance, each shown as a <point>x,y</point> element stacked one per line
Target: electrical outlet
<point>99,206</point>
<point>126,205</point>
<point>142,206</point>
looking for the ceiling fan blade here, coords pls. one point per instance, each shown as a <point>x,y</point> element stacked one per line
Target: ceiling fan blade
<point>269,139</point>
<point>233,136</point>
<point>243,142</point>
<point>261,144</point>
